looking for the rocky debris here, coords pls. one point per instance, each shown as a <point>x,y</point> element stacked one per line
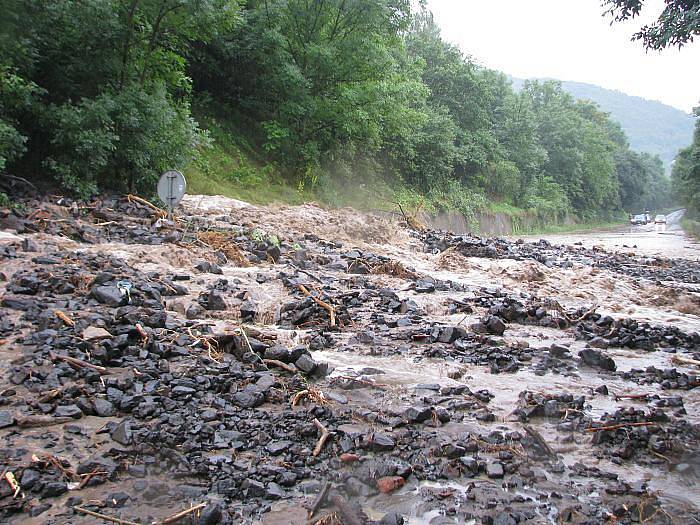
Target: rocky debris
<point>178,385</point>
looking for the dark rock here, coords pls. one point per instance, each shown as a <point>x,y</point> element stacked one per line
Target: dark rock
<point>305,364</point>
<point>53,489</point>
<point>278,353</point>
<point>194,311</point>
<point>277,447</point>
<point>253,488</point>
<point>494,470</point>
<point>68,411</point>
<point>7,419</point>
<point>274,491</point>
<point>392,519</point>
<point>122,433</point>
<point>37,510</point>
<point>596,359</point>
<point>417,414</point>
<point>109,295</point>
<point>211,515</point>
<point>29,478</point>
<point>495,326</point>
<point>380,442</point>
<point>248,398</point>
<point>103,408</point>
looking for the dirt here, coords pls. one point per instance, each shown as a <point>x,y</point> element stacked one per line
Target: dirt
<point>451,404</point>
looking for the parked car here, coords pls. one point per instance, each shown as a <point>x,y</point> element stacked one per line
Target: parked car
<point>660,219</point>
<point>638,219</point>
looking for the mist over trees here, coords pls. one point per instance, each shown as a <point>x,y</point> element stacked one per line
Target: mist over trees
<point>98,94</point>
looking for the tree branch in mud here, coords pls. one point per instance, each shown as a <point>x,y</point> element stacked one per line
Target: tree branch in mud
<point>322,304</point>
<point>104,516</point>
<point>279,364</point>
<point>321,440</point>
<point>679,360</point>
<point>320,500</point>
<point>63,317</point>
<point>179,515</point>
<point>622,425</point>
<point>78,363</point>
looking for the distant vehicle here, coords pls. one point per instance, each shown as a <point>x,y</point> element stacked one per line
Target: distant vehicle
<point>660,219</point>
<point>639,219</point>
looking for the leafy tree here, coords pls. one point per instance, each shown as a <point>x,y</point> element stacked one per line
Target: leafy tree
<point>686,171</point>
<point>676,26</point>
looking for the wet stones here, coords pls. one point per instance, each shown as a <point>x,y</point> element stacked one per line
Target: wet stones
<point>122,433</point>
<point>494,470</point>
<point>68,411</point>
<point>380,442</point>
<point>417,414</point>
<point>7,418</point>
<point>110,295</point>
<point>597,359</point>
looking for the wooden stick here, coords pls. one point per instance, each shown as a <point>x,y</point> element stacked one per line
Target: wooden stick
<point>322,304</point>
<point>320,500</point>
<point>40,421</point>
<point>105,516</point>
<point>322,440</point>
<point>63,317</point>
<point>78,363</point>
<point>159,211</point>
<point>622,425</point>
<point>279,364</point>
<point>179,515</point>
<point>684,360</point>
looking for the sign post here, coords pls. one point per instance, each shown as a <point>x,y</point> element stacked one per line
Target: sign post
<point>171,189</point>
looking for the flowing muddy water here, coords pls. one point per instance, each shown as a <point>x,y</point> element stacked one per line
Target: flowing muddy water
<point>390,355</point>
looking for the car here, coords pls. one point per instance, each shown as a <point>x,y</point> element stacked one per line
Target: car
<point>660,219</point>
<point>638,219</point>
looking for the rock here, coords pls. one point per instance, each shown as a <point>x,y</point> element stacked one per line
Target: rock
<point>7,419</point>
<point>248,398</point>
<point>417,414</point>
<point>305,364</point>
<point>95,333</point>
<point>278,353</point>
<point>494,470</point>
<point>559,351</point>
<point>194,311</point>
<point>68,411</point>
<point>349,458</point>
<point>109,295</point>
<point>215,301</point>
<point>598,342</point>
<point>495,326</point>
<point>37,510</point>
<point>392,519</point>
<point>29,478</point>
<point>389,484</point>
<point>253,488</point>
<point>596,359</point>
<point>277,447</point>
<point>53,489</point>
<point>248,310</point>
<point>122,433</point>
<point>274,491</point>
<point>117,499</point>
<point>103,408</point>
<point>380,442</point>
<point>451,334</point>
<point>210,515</point>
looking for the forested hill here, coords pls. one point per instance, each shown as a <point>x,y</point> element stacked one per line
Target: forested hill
<point>650,126</point>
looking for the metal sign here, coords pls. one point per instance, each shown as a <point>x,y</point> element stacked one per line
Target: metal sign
<point>171,188</point>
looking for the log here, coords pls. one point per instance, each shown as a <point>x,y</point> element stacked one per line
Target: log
<point>105,516</point>
<point>684,360</point>
<point>279,364</point>
<point>179,515</point>
<point>320,500</point>
<point>40,421</point>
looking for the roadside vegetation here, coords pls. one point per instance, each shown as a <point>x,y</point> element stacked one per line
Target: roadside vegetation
<point>348,103</point>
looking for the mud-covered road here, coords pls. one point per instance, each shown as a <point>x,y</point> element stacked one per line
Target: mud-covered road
<point>247,364</point>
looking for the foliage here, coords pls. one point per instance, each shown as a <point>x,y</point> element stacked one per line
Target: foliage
<point>678,23</point>
<point>352,101</point>
<point>686,171</point>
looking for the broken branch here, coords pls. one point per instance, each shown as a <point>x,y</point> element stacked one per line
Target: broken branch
<point>104,516</point>
<point>63,317</point>
<point>159,211</point>
<point>622,425</point>
<point>179,515</point>
<point>322,304</point>
<point>684,360</point>
<point>78,363</point>
<point>279,364</point>
<point>321,440</point>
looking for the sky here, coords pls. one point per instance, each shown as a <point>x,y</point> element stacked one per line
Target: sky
<point>571,40</point>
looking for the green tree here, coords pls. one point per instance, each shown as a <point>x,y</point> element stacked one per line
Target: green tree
<point>678,23</point>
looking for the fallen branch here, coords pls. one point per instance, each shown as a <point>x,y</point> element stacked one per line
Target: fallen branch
<point>320,500</point>
<point>322,304</point>
<point>179,515</point>
<point>159,211</point>
<point>358,380</point>
<point>684,360</point>
<point>40,421</point>
<point>78,363</point>
<point>63,317</point>
<point>313,394</point>
<point>104,516</point>
<point>622,425</point>
<point>279,364</point>
<point>321,440</point>
<point>631,396</point>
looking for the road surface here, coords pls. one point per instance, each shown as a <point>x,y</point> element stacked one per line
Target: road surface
<point>652,240</point>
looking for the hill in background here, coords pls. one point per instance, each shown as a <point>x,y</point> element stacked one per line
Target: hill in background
<point>651,126</point>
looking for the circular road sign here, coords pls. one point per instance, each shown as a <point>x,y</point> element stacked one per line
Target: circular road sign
<point>171,188</point>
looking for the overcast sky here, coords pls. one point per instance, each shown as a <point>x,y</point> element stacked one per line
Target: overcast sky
<point>570,40</point>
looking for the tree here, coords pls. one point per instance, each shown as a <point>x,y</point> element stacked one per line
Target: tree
<point>677,25</point>
<point>686,171</point>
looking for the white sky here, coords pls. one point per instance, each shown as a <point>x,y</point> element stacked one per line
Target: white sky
<point>570,40</point>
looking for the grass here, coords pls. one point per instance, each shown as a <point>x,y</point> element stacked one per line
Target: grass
<point>692,227</point>
<point>576,227</point>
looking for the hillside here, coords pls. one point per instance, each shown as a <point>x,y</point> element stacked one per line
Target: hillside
<point>651,126</point>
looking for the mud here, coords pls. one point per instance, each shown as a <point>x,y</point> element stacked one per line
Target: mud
<point>463,380</point>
